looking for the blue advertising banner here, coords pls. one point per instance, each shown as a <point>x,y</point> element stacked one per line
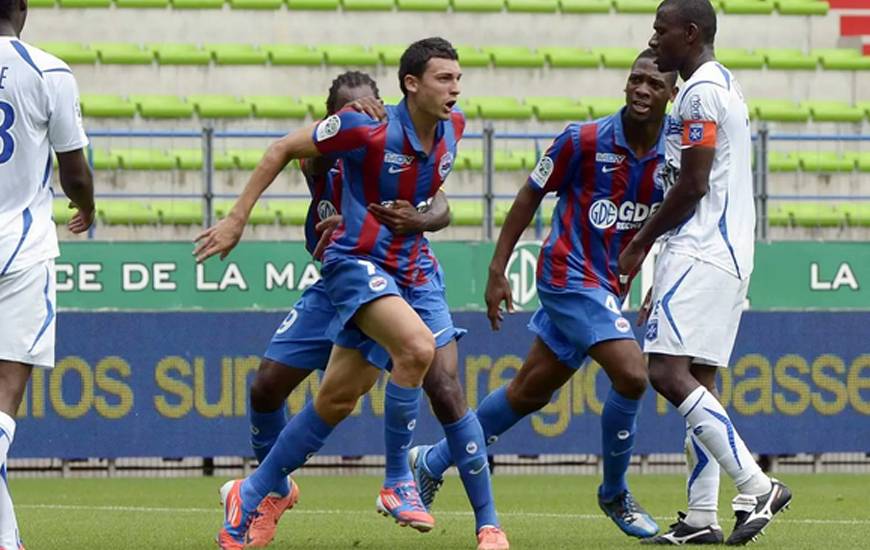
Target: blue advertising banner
<point>176,384</point>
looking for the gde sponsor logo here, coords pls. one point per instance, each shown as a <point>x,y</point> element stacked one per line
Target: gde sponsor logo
<point>629,215</point>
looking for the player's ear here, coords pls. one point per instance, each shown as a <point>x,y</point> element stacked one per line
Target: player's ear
<point>412,83</point>
<point>674,91</point>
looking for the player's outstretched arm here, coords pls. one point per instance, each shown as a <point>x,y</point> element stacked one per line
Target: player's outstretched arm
<point>679,203</point>
<point>498,289</point>
<point>225,235</point>
<point>77,183</point>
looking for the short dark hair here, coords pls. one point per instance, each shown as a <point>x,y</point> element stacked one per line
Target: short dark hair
<point>419,53</point>
<point>699,12</point>
<point>670,78</point>
<point>350,79</point>
<point>6,8</point>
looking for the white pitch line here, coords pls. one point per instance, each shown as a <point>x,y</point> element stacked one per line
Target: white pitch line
<point>216,509</point>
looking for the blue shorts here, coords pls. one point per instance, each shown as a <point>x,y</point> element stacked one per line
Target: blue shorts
<point>300,341</point>
<point>353,282</point>
<point>570,321</point>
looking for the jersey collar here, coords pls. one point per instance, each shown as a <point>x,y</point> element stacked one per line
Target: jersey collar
<point>619,137</point>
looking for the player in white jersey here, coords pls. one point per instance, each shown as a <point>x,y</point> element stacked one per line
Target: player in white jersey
<point>39,111</point>
<point>702,274</point>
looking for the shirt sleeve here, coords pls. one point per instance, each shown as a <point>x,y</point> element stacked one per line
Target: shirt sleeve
<point>701,112</point>
<point>65,130</point>
<point>559,164</point>
<point>345,132</point>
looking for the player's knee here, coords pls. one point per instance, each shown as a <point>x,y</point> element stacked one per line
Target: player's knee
<point>416,353</point>
<point>446,395</point>
<point>335,406</point>
<point>263,396</point>
<point>632,383</point>
<point>662,381</point>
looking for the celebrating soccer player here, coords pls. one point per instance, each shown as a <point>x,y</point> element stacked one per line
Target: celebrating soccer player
<point>702,275</point>
<point>39,112</point>
<point>608,176</point>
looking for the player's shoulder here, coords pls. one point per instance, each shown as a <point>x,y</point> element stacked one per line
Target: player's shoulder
<point>710,78</point>
<point>42,61</point>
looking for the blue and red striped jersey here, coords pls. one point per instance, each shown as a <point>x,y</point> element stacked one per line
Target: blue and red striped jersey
<point>325,190</point>
<point>383,161</point>
<point>605,194</point>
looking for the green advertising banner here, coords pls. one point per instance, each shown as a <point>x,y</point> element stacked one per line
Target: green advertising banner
<point>272,275</point>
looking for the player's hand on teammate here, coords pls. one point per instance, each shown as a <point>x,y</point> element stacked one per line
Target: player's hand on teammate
<point>498,290</point>
<point>400,217</point>
<point>325,228</point>
<point>371,106</point>
<point>220,238</point>
<point>645,308</point>
<point>81,220</point>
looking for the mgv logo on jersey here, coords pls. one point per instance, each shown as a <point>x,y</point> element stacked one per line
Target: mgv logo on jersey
<point>603,214</point>
<point>398,162</point>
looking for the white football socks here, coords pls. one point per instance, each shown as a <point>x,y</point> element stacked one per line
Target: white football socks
<point>702,484</point>
<point>8,524</point>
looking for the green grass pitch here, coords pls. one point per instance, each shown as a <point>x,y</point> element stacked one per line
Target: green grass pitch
<point>539,512</point>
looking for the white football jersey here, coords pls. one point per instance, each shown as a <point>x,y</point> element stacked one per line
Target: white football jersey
<point>39,111</point>
<point>710,111</point>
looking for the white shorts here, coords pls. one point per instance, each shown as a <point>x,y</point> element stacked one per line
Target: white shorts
<point>27,315</point>
<point>696,310</point>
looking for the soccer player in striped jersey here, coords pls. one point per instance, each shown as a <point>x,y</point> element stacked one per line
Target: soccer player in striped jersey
<point>387,288</point>
<point>39,112</point>
<point>608,176</point>
<point>702,275</point>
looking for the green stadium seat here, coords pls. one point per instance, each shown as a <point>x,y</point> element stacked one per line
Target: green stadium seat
<point>736,58</point>
<point>103,160</point>
<point>617,58</point>
<point>603,106</point>
<point>470,56</point>
<point>782,162</point>
<point>501,108</point>
<point>500,209</point>
<point>349,55</point>
<point>40,4</point>
<point>197,4</point>
<point>237,54</point>
<point>316,105</point>
<point>842,59</point>
<point>290,212</point>
<point>857,213</point>
<point>530,159</point>
<point>506,161</point>
<point>862,160</point>
<point>277,107</point>
<point>801,7</point>
<point>515,57</point>
<point>85,3</point>
<point>70,52</point>
<point>747,7</point>
<point>557,108</point>
<point>787,58</point>
<point>179,212</point>
<point>423,5</point>
<point>532,6</point>
<point>122,53</point>
<point>162,106</point>
<point>833,111</point>
<point>188,159</point>
<point>777,110</point>
<point>808,214</point>
<point>126,212</point>
<point>478,6</point>
<point>247,159</point>
<point>142,3</point>
<point>256,4</point>
<point>777,216</point>
<point>325,5</point>
<point>260,215</point>
<point>292,54</point>
<point>146,159</point>
<point>466,212</point>
<point>103,106</point>
<point>570,57</point>
<point>181,54</point>
<point>826,162</point>
<point>390,55</point>
<point>219,106</point>
<point>61,212</point>
<point>636,6</point>
<point>469,159</point>
<point>585,6</point>
<point>368,5</point>
<point>470,108</point>
<point>225,160</point>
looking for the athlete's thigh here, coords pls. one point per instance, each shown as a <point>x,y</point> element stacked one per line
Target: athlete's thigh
<point>27,315</point>
<point>429,301</point>
<point>542,372</point>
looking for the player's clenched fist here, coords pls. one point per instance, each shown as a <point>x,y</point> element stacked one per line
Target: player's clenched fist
<point>219,239</point>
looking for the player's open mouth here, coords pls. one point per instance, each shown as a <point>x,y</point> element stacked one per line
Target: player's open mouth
<point>640,108</point>
<point>450,104</point>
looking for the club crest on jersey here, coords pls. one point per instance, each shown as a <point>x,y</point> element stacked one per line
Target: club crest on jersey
<point>328,128</point>
<point>629,215</point>
<point>696,132</point>
<point>445,165</point>
<point>666,175</point>
<point>652,330</point>
<point>542,171</point>
<point>326,209</point>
